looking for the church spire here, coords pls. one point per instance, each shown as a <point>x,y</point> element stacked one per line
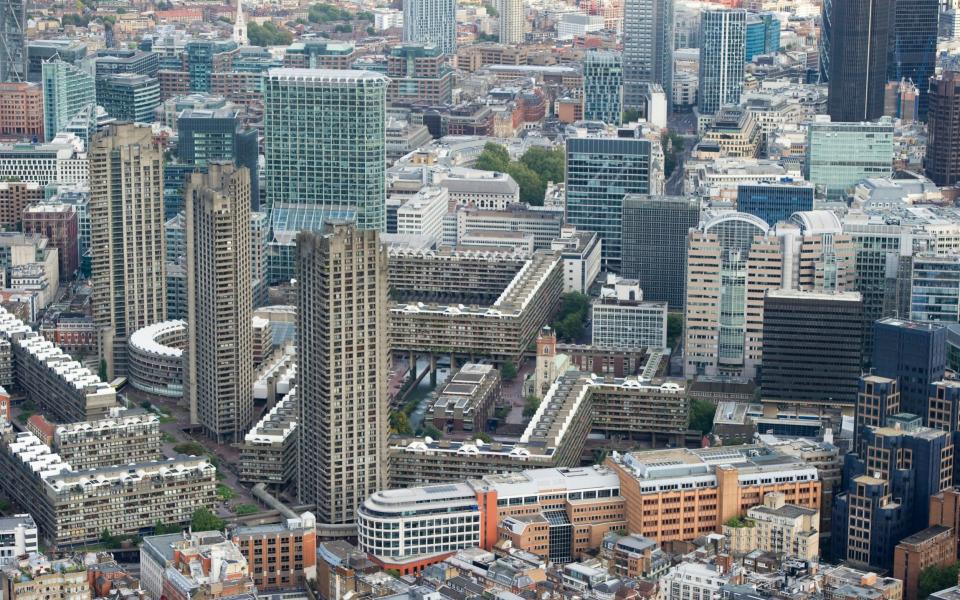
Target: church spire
<point>240,26</point>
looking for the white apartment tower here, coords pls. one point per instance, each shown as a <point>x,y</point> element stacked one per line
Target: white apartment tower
<point>512,21</point>
<point>219,377</point>
<point>431,22</point>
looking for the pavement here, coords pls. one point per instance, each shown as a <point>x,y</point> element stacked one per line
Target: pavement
<point>512,391</point>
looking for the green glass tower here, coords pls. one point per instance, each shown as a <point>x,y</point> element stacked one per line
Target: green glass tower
<point>325,151</point>
<point>66,91</point>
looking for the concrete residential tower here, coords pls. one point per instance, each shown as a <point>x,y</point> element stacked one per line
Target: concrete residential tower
<point>127,244</point>
<point>219,378</point>
<point>344,363</point>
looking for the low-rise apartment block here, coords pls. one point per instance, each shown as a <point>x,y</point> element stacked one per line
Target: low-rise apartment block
<point>466,400</point>
<point>501,331</point>
<point>776,527</point>
<point>124,437</point>
<point>75,507</point>
<point>268,453</point>
<point>35,577</point>
<point>448,274</point>
<point>62,388</point>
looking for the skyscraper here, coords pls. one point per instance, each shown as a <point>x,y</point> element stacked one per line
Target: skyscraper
<point>129,96</point>
<point>431,22</point>
<point>913,45</point>
<point>13,40</point>
<point>915,354</point>
<point>763,35</point>
<point>774,202</point>
<point>859,45</point>
<point>343,367</point>
<point>216,134</point>
<point>126,237</point>
<point>325,150</point>
<point>654,249</point>
<point>647,48</point>
<point>66,91</point>
<point>811,347</point>
<point>603,87</point>
<point>722,50</point>
<point>600,172</point>
<point>830,146</point>
<point>219,377</point>
<point>942,161</point>
<point>512,21</point>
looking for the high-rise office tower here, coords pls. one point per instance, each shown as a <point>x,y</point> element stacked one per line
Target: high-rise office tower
<point>826,29</point>
<point>512,21</point>
<point>325,150</point>
<point>878,398</point>
<point>126,237</point>
<point>129,96</point>
<point>942,160</point>
<point>431,22</point>
<point>343,368</point>
<point>600,172</point>
<point>648,30</point>
<point>13,40</point>
<point>859,45</point>
<point>811,347</point>
<point>722,50</point>
<point>66,91</point>
<point>654,244</point>
<point>762,36</point>
<point>915,354</point>
<point>733,260</point>
<point>913,45</point>
<point>830,146</point>
<point>207,135</point>
<point>603,87</point>
<point>219,377</point>
<point>774,202</point>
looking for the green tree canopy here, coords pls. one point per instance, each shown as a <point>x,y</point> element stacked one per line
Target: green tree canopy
<point>701,415</point>
<point>400,423</point>
<point>204,520</point>
<point>571,319</point>
<point>268,34</point>
<point>532,188</point>
<point>674,327</point>
<point>327,13</point>
<point>508,371</point>
<point>530,406</point>
<point>493,158</point>
<point>935,578</point>
<point>548,163</point>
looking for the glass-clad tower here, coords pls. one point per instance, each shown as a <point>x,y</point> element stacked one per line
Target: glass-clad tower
<point>325,151</point>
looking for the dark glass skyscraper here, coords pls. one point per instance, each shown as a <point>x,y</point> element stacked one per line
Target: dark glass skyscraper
<point>942,161</point>
<point>915,354</point>
<point>774,202</point>
<point>217,135</point>
<point>859,45</point>
<point>654,247</point>
<point>647,48</point>
<point>913,45</point>
<point>600,172</point>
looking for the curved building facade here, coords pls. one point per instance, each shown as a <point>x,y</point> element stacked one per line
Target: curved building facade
<point>156,358</point>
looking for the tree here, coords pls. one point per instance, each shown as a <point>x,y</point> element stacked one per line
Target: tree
<point>431,431</point>
<point>530,406</point>
<point>630,115</point>
<point>190,449</point>
<point>532,188</point>
<point>701,415</point>
<point>108,539</point>
<point>160,529</point>
<point>246,509</point>
<point>548,163</point>
<point>400,423</point>
<point>483,437</point>
<point>491,9</point>
<point>268,34</point>
<point>204,520</point>
<point>572,316</point>
<point>935,578</point>
<point>343,28</point>
<point>508,371</point>
<point>371,31</point>
<point>103,369</point>
<point>493,158</point>
<point>672,148</point>
<point>674,328</point>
